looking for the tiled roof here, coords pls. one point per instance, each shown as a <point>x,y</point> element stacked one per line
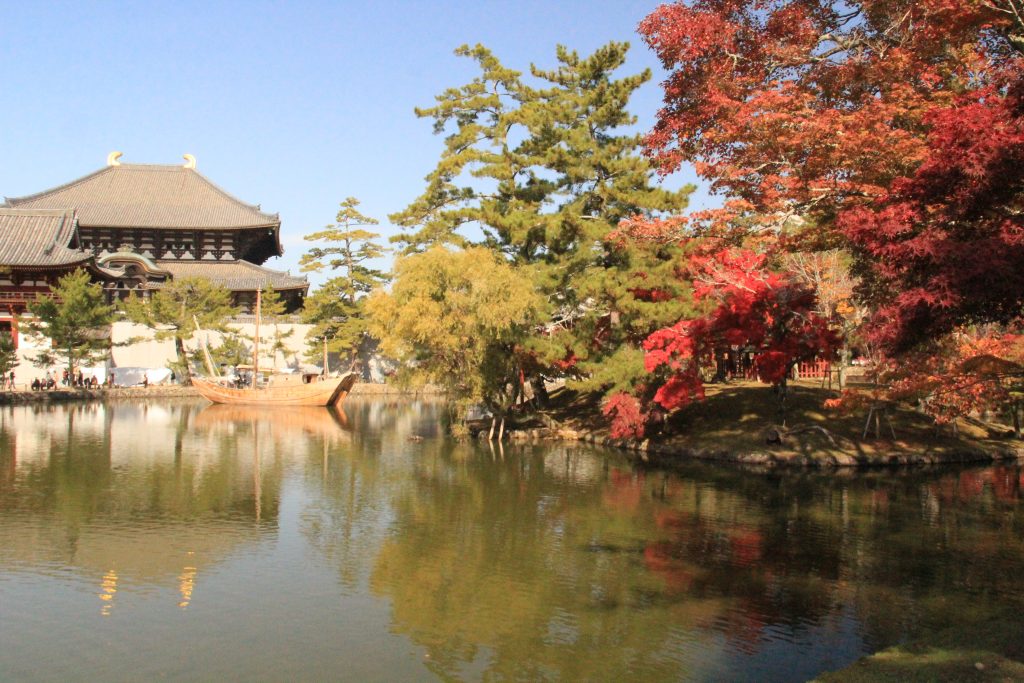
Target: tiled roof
<point>235,275</point>
<point>149,196</point>
<point>38,238</point>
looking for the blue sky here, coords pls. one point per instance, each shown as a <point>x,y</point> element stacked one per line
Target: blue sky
<point>292,105</point>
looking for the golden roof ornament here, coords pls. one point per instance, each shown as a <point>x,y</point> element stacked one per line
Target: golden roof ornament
<point>190,161</point>
<point>112,159</point>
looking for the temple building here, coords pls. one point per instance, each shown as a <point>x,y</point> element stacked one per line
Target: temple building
<point>38,247</point>
<point>137,227</point>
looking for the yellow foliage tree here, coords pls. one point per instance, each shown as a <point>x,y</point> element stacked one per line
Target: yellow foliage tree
<point>458,319</point>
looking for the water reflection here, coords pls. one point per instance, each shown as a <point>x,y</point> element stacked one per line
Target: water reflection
<point>539,562</point>
<point>133,495</point>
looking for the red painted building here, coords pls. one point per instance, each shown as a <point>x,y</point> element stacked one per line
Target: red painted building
<point>37,247</point>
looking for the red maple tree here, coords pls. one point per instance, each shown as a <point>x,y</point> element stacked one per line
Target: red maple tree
<point>891,127</point>
<point>751,307</point>
<point>946,246</point>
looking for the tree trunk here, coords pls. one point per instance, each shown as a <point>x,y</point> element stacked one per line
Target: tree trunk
<point>179,347</point>
<point>540,391</point>
<point>1016,419</point>
<point>721,371</point>
<point>844,361</point>
<point>780,390</point>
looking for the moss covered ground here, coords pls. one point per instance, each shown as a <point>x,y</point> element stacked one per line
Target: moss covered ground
<point>988,651</point>
<point>736,422</point>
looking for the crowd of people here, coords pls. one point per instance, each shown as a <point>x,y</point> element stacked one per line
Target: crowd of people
<point>67,380</point>
<point>54,379</point>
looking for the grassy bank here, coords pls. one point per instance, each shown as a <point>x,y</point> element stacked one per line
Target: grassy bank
<point>737,423</point>
<point>991,650</point>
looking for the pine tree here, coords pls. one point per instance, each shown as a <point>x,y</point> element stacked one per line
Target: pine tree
<point>336,308</point>
<point>272,307</point>
<point>76,318</point>
<point>179,309</point>
<point>8,356</point>
<point>547,174</point>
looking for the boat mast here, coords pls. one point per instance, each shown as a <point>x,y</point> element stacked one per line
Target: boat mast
<point>256,344</point>
<point>210,367</point>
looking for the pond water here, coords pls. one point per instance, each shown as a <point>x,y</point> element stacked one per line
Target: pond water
<point>185,541</point>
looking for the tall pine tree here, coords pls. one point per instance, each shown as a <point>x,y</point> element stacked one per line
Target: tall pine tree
<point>336,308</point>
<point>543,174</point>
<point>76,318</point>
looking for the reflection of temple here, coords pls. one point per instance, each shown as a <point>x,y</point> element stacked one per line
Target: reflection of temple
<point>133,497</point>
<point>136,227</point>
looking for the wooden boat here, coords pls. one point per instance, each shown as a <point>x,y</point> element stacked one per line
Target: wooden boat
<point>287,390</point>
<point>328,391</point>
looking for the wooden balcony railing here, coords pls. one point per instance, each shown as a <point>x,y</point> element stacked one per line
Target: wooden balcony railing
<point>20,297</point>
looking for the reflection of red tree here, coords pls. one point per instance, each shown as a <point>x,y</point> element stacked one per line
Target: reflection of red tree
<point>660,558</point>
<point>1006,483</point>
<point>671,519</point>
<point>879,500</point>
<point>744,627</point>
<point>624,490</point>
<point>962,488</point>
<point>972,484</point>
<point>747,547</point>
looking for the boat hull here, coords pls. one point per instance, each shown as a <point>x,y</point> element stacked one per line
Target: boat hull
<point>329,392</point>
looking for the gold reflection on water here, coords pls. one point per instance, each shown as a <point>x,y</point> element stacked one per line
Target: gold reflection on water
<point>329,423</point>
<point>108,587</point>
<point>186,584</point>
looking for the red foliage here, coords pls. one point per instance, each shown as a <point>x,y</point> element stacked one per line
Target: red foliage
<point>627,418</point>
<point>754,308</point>
<point>652,295</point>
<point>568,362</point>
<point>946,246</point>
<point>810,105</point>
<point>948,381</point>
<point>852,400</point>
<point>897,127</point>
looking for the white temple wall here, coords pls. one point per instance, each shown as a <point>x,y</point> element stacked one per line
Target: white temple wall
<point>28,348</point>
<point>144,351</point>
